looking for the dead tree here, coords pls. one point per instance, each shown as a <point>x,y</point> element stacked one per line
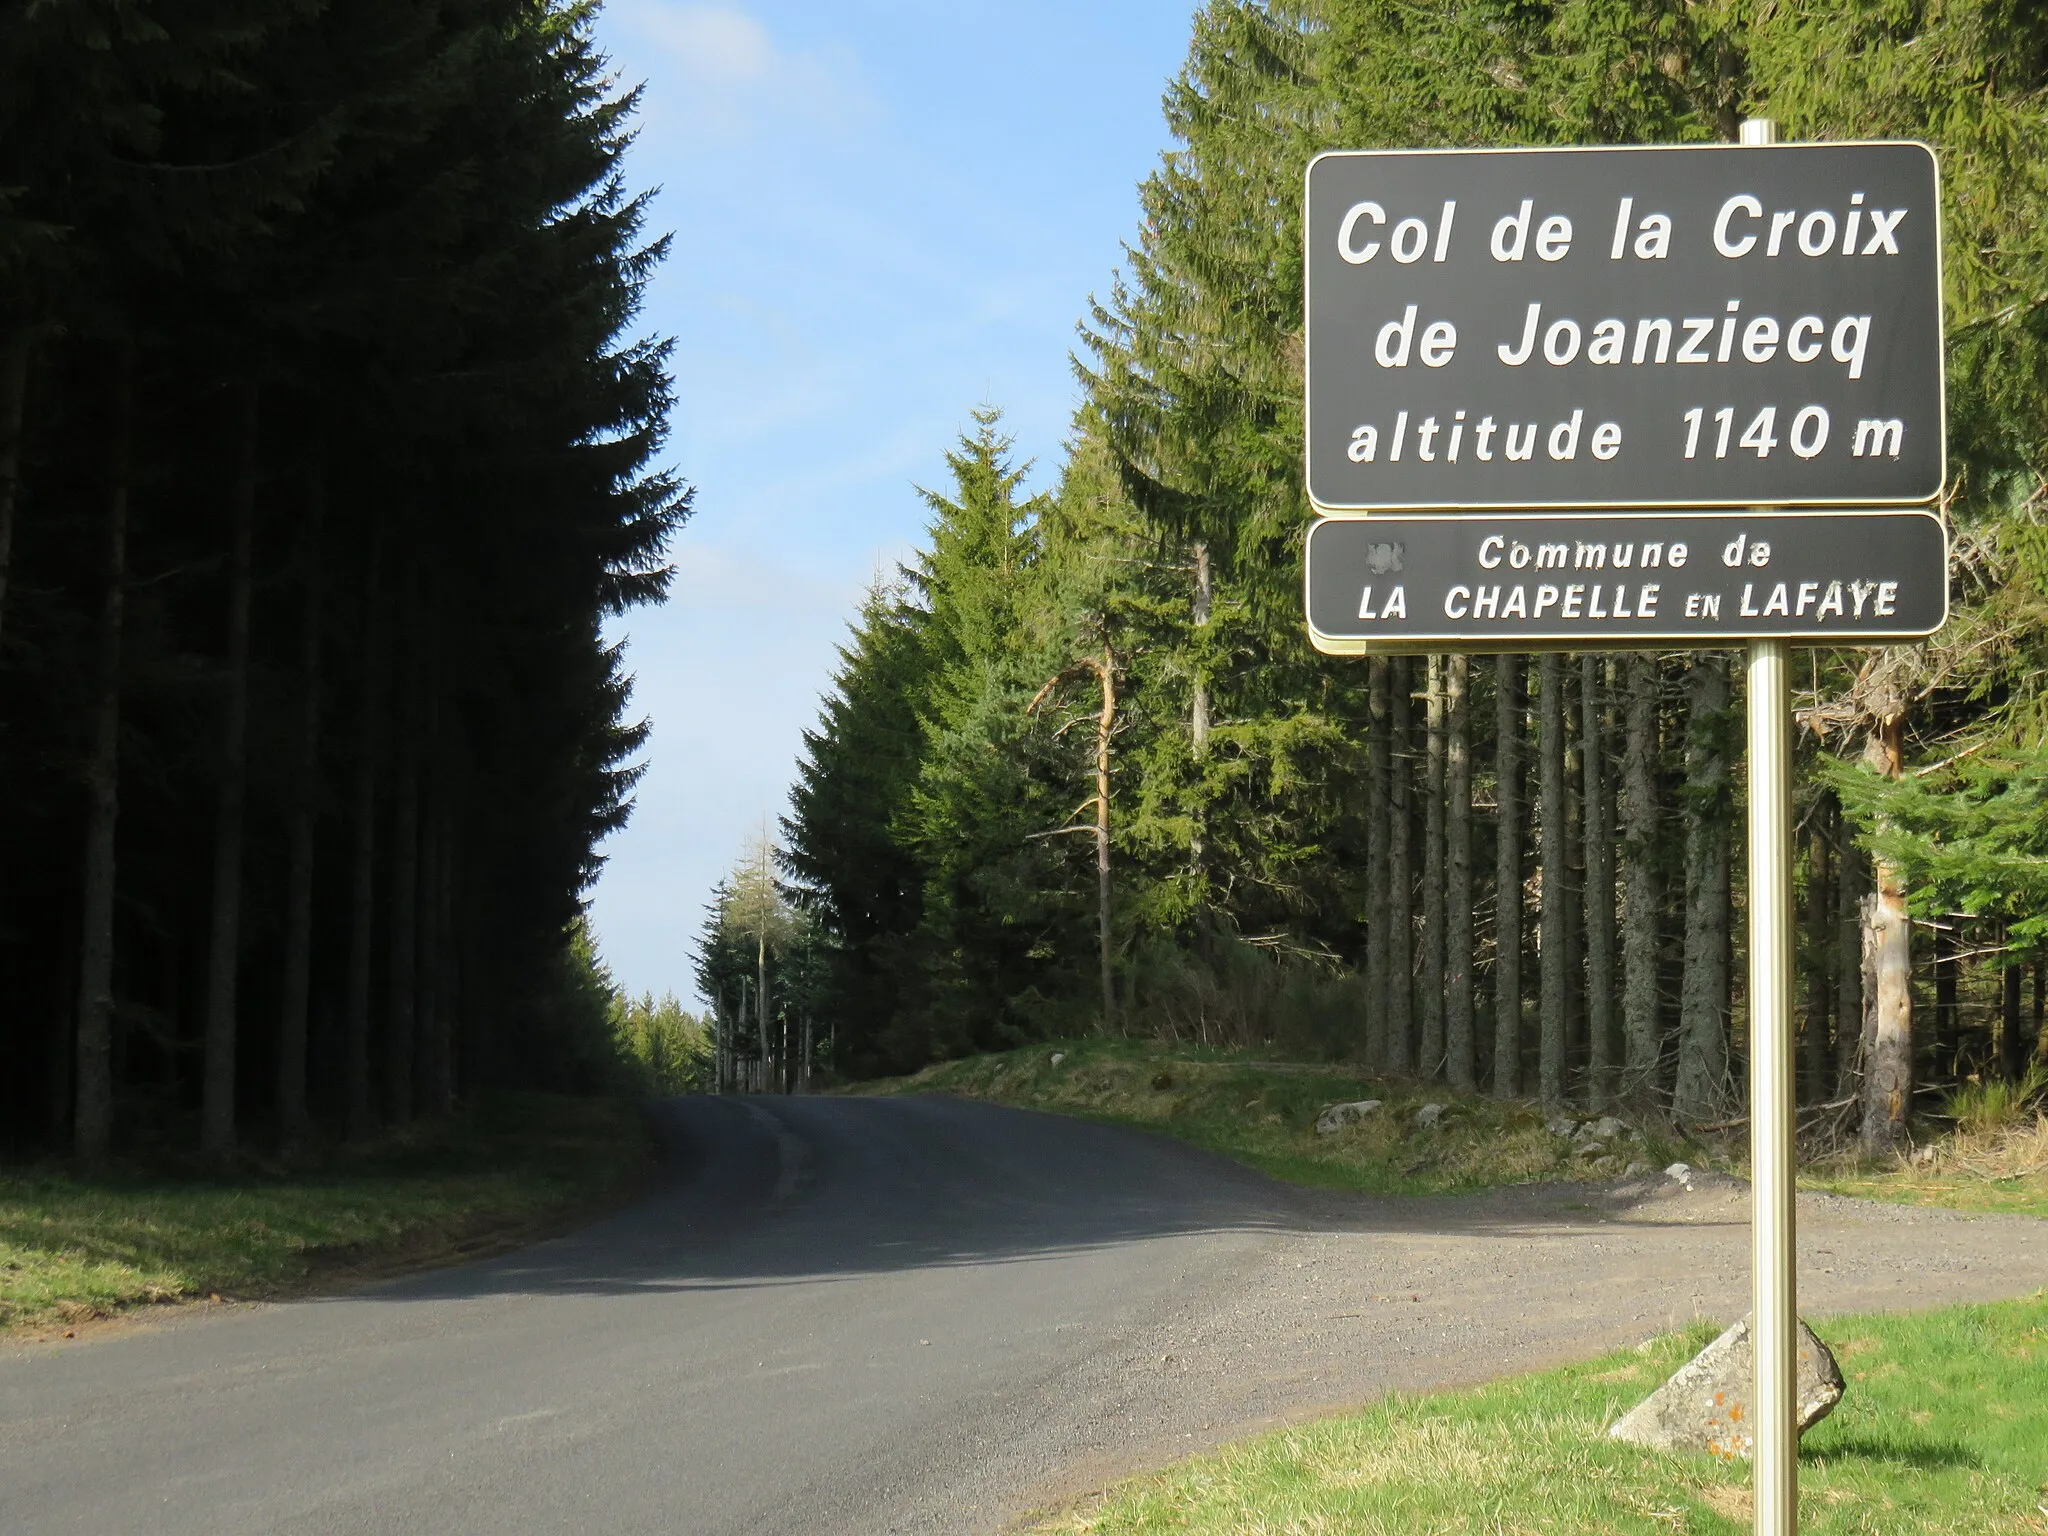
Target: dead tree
<point>1103,668</point>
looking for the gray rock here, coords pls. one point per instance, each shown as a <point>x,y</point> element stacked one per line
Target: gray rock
<point>1680,1173</point>
<point>1606,1128</point>
<point>1705,1406</point>
<point>1561,1125</point>
<point>1429,1114</point>
<point>1337,1116</point>
<point>1589,1149</point>
<point>1058,1057</point>
<point>1637,1169</point>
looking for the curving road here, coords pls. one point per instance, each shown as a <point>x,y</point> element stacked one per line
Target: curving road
<point>856,1316</point>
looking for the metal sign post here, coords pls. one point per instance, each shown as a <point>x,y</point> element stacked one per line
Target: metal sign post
<point>1774,1256</point>
<point>1585,399</point>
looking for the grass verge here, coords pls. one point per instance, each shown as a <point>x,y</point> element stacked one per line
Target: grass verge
<point>1263,1113</point>
<point>75,1247</point>
<point>1944,1432</point>
<point>1975,1168</point>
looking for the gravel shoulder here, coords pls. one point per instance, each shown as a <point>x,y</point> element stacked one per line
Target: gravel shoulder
<point>896,1315</point>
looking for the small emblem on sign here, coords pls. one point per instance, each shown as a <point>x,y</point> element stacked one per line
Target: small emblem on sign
<point>1383,559</point>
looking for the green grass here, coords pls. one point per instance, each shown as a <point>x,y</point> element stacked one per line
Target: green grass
<point>1944,1432</point>
<point>1988,1163</point>
<point>74,1247</point>
<point>1263,1113</point>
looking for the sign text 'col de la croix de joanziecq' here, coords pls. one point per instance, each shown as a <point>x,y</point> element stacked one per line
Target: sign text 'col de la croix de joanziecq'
<point>1522,336</point>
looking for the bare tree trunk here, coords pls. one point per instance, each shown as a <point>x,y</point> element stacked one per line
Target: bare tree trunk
<point>761,1001</point>
<point>1551,938</point>
<point>2041,1012</point>
<point>1198,722</point>
<point>429,1085</point>
<point>1850,889</point>
<point>402,956</point>
<point>293,1121</point>
<point>1105,728</point>
<point>14,355</point>
<point>1458,1045</point>
<point>1599,838</point>
<point>224,948</point>
<point>1400,1057</point>
<point>1429,989</point>
<point>1703,994</point>
<point>2015,1050</point>
<point>1574,895</point>
<point>360,1116</point>
<point>1819,905</point>
<point>1378,880</point>
<point>1888,1074</point>
<point>93,1112</point>
<point>1507,878</point>
<point>1948,1013</point>
<point>436,1065</point>
<point>1642,895</point>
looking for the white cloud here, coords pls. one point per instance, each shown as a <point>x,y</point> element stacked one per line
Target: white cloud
<point>713,42</point>
<point>733,75</point>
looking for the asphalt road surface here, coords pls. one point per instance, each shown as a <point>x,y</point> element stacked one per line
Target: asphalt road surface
<point>856,1316</point>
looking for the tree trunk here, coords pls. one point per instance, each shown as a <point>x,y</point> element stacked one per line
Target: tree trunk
<point>1599,900</point>
<point>1819,905</point>
<point>1948,1032</point>
<point>1400,1057</point>
<point>429,1096</point>
<point>293,1121</point>
<point>1551,936</point>
<point>360,1116</point>
<point>761,1001</point>
<point>436,1056</point>
<point>1105,727</point>
<point>1851,885</point>
<point>14,355</point>
<point>1703,993</point>
<point>2041,1012</point>
<point>1429,990</point>
<point>1458,1045</point>
<point>224,948</point>
<point>1378,879</point>
<point>2015,1050</point>
<point>1573,894</point>
<point>1642,893</point>
<point>1198,723</point>
<point>93,1111</point>
<point>402,955</point>
<point>1507,878</point>
<point>1888,1073</point>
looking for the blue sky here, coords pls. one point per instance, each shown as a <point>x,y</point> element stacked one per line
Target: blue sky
<point>884,214</point>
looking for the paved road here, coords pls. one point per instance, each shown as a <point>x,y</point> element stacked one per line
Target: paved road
<point>856,1316</point>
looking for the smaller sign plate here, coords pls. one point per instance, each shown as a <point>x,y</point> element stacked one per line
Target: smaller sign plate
<point>1604,581</point>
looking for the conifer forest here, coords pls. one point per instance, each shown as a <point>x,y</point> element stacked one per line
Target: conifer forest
<point>330,440</point>
<point>1080,770</point>
<point>327,443</point>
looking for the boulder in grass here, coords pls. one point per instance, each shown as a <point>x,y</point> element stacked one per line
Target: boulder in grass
<point>1337,1116</point>
<point>1706,1405</point>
